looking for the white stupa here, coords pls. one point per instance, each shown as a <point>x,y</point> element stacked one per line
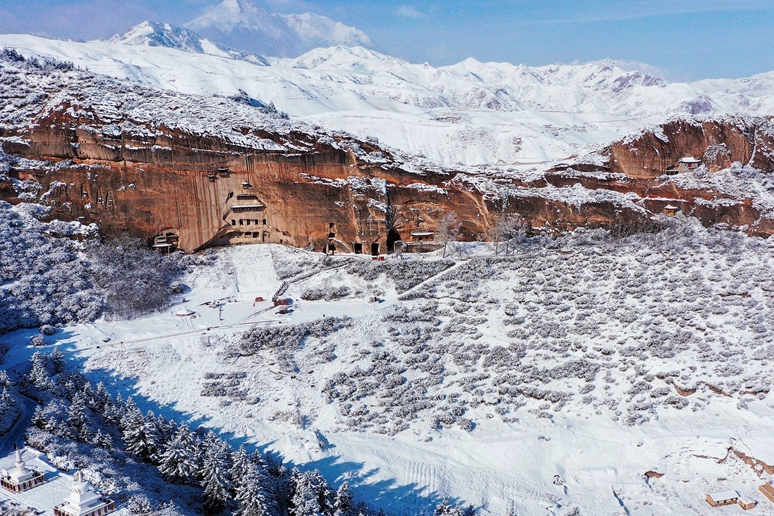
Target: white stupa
<point>20,478</point>
<point>84,501</point>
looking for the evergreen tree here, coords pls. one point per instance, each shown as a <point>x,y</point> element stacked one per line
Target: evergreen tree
<point>167,428</point>
<point>38,417</point>
<point>240,465</point>
<point>215,473</point>
<point>102,439</point>
<point>77,421</point>
<point>345,502</point>
<point>57,360</point>
<point>140,434</point>
<point>102,397</point>
<point>39,376</point>
<point>251,495</point>
<point>5,380</point>
<point>178,461</point>
<point>446,509</point>
<point>52,425</point>
<point>311,494</point>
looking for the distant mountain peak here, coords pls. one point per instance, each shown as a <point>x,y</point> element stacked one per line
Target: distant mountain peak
<point>245,25</point>
<point>161,35</point>
<point>153,34</point>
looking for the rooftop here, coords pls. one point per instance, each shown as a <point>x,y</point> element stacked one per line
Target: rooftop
<point>724,495</point>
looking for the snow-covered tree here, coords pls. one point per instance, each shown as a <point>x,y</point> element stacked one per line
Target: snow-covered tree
<point>240,466</point>
<point>140,435</point>
<point>214,472</point>
<point>39,377</point>
<point>7,402</point>
<point>38,417</point>
<point>446,509</point>
<point>102,439</point>
<point>344,502</point>
<point>5,380</point>
<point>312,495</point>
<point>178,460</point>
<point>57,360</point>
<point>251,495</point>
<point>77,421</point>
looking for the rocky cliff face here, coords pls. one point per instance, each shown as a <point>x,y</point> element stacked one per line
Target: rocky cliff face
<point>203,171</point>
<point>195,171</point>
<point>716,143</point>
<point>207,191</point>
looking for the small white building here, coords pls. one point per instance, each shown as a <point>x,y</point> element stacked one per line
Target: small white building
<point>722,498</point>
<point>20,478</point>
<point>746,503</point>
<point>671,210</point>
<point>84,501</point>
<point>687,164</point>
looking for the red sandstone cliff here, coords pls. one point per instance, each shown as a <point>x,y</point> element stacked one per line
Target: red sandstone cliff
<point>716,143</point>
<point>212,171</point>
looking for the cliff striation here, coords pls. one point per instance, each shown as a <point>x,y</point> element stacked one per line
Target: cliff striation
<point>196,171</point>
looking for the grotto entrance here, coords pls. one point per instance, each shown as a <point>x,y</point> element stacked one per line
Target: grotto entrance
<point>392,237</point>
<point>375,249</point>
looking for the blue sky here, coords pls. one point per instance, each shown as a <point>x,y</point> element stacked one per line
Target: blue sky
<point>691,39</point>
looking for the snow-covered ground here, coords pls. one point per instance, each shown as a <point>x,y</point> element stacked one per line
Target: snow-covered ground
<point>45,497</point>
<point>537,383</point>
<point>469,113</point>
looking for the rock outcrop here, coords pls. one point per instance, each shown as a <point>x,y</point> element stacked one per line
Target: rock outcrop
<point>716,143</point>
<point>191,172</point>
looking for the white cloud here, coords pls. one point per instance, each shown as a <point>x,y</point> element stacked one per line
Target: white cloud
<point>408,11</point>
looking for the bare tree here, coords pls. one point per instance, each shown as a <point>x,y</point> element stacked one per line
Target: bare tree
<point>513,229</point>
<point>508,229</point>
<point>447,230</point>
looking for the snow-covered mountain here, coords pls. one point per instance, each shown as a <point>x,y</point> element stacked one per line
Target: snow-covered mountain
<point>469,113</point>
<point>150,34</point>
<point>246,26</point>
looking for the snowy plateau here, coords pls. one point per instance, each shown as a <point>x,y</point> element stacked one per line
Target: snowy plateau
<point>584,373</point>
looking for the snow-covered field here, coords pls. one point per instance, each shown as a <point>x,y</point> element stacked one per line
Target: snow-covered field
<point>546,382</point>
<point>470,113</point>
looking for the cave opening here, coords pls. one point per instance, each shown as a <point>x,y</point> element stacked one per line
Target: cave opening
<point>392,237</point>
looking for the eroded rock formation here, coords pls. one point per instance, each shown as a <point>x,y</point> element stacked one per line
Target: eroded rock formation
<point>200,171</point>
<point>716,143</point>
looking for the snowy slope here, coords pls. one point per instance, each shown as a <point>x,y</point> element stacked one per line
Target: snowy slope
<point>470,113</point>
<point>246,26</point>
<point>581,366</point>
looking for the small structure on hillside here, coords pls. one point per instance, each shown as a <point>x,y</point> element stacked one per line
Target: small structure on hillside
<point>166,242</point>
<point>688,164</point>
<point>421,236</point>
<point>184,312</point>
<point>20,478</point>
<point>671,210</point>
<point>721,498</point>
<point>84,501</point>
<point>768,491</point>
<point>746,503</point>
